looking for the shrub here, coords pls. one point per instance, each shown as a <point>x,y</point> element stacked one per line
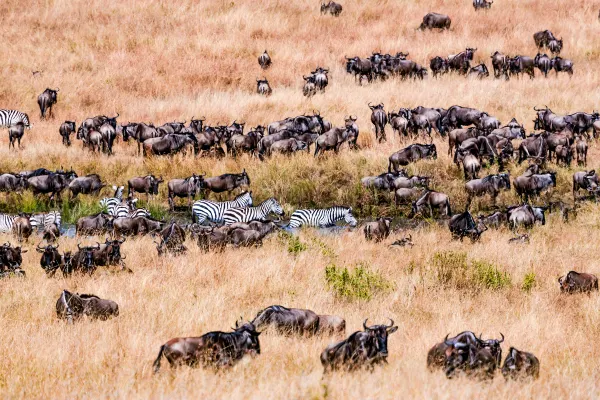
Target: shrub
<point>487,275</point>
<point>453,269</point>
<point>360,283</point>
<point>529,282</point>
<point>294,245</point>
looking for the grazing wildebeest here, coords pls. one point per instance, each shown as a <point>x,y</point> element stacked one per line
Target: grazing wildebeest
<point>542,38</point>
<point>411,154</point>
<point>433,200</point>
<point>89,184</point>
<point>264,60</point>
<point>360,67</point>
<point>578,282</point>
<point>533,184</point>
<point>332,8</point>
<point>379,120</point>
<point>434,20</point>
<point>185,188</point>
<point>586,180</point>
<point>12,182</point>
<point>170,144</point>
<point>520,365</point>
<point>331,140</point>
<point>143,184</point>
<point>562,65</point>
<point>96,224</point>
<point>491,184</point>
<point>226,182</point>
<point>288,146</point>
<point>15,133</point>
<point>287,320</point>
<point>439,66</point>
<point>482,4</point>
<point>521,65</point>
<point>543,63</point>
<point>480,71</point>
<point>172,238</point>
<point>46,100</point>
<point>72,306</point>
<point>461,62</point>
<point>499,62</point>
<point>525,215</point>
<point>66,129</point>
<point>495,220</point>
<point>418,122</point>
<point>360,350</point>
<point>463,225</point>
<point>378,230</point>
<point>213,349</point>
<point>263,87</point>
<point>135,226</point>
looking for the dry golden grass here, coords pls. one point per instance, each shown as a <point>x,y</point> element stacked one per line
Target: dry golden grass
<point>164,60</point>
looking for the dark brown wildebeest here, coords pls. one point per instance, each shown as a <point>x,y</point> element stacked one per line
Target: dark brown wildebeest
<point>210,238</point>
<point>54,183</point>
<point>96,224</point>
<point>471,163</point>
<point>144,184</point>
<point>434,20</point>
<point>471,359</point>
<point>432,200</point>
<point>555,45</point>
<point>287,321</point>
<point>542,38</point>
<point>534,146</point>
<point>310,88</point>
<point>264,145</point>
<point>15,133</point>
<point>51,233</point>
<point>213,349</point>
<point>578,282</point>
<point>463,225</point>
<point>418,122</point>
<point>379,120</point>
<point>520,365</point>
<point>172,238</point>
<point>245,143</point>
<point>12,182</point>
<point>360,67</point>
<point>534,184</point>
<point>352,129</point>
<point>72,306</point>
<point>543,63</point>
<point>109,134</point>
<point>398,123</point>
<point>384,182</point>
<point>564,154</point>
<point>332,8</point>
<point>22,227</point>
<point>288,146</point>
<point>321,80</point>
<point>457,117</point>
<point>264,60</point>
<point>562,65</point>
<point>378,230</point>
<point>482,4</point>
<point>89,184</point>
<point>135,226</point>
<point>11,257</point>
<point>51,259</point>
<point>521,65</point>
<point>109,254</point>
<point>66,129</point>
<point>439,66</point>
<point>187,187</point>
<point>360,350</point>
<point>331,140</point>
<point>433,115</point>
<point>494,220</point>
<point>457,136</point>
<point>263,87</point>
<point>480,71</point>
<point>437,355</point>
<point>487,123</point>
<point>226,182</point>
<point>586,180</point>
<point>491,184</point>
<point>170,144</point>
<point>331,325</point>
<point>46,100</point>
<point>82,260</point>
<point>461,62</point>
<point>410,154</point>
<point>499,62</point>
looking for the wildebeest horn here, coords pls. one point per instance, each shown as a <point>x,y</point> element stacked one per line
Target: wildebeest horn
<point>78,246</point>
<point>446,340</point>
<point>500,341</point>
<point>391,324</point>
<point>365,324</point>
<point>38,246</point>
<point>57,90</point>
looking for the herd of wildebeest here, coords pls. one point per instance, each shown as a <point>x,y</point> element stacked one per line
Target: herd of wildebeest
<point>476,140</point>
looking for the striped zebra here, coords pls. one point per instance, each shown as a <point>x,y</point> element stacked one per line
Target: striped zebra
<point>6,222</point>
<point>128,210</point>
<point>43,220</point>
<point>9,118</point>
<point>322,217</point>
<point>247,214</point>
<point>213,211</point>
<point>110,203</point>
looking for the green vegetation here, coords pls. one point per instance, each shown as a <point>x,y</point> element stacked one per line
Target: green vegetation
<point>359,283</point>
<point>453,269</point>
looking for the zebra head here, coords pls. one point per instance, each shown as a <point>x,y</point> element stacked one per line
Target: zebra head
<point>275,207</point>
<point>244,199</point>
<point>349,218</point>
<point>118,192</point>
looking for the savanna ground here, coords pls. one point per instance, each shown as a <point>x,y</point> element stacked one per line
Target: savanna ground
<point>165,61</point>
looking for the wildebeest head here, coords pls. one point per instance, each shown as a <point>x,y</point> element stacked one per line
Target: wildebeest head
<point>154,184</point>
<point>112,121</point>
<point>377,107</point>
<point>52,94</point>
<point>494,346</point>
<point>252,344</point>
<point>113,248</point>
<point>380,334</point>
<point>469,51</point>
<point>87,259</point>
<point>196,124</point>
<point>457,355</point>
<point>12,256</point>
<point>50,256</point>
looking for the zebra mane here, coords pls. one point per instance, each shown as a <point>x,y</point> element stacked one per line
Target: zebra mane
<point>241,195</point>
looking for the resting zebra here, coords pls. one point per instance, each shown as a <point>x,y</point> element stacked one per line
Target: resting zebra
<point>45,220</point>
<point>248,214</point>
<point>213,211</point>
<point>9,118</point>
<point>323,217</point>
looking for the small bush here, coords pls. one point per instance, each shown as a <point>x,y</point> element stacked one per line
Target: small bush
<point>360,283</point>
<point>294,245</point>
<point>325,250</point>
<point>529,282</point>
<point>453,269</point>
<point>487,275</point>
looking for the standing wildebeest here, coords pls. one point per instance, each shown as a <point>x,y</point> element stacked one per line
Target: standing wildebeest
<point>439,66</point>
<point>463,225</point>
<point>287,320</point>
<point>520,365</point>
<point>72,306</point>
<point>263,87</point>
<point>46,100</point>
<point>398,123</point>
<point>226,182</point>
<point>89,184</point>
<point>543,38</point>
<point>333,8</point>
<point>22,227</point>
<point>543,63</point>
<point>352,129</point>
<point>562,65</point>
<point>555,45</point>
<point>584,180</point>
<point>143,184</point>
<point>434,20</point>
<point>264,60</point>
<point>109,134</point>
<point>378,230</point>
<point>491,184</point>
<point>51,259</point>
<point>521,65</point>
<point>185,188</point>
<point>534,146</point>
<point>525,215</point>
<point>499,61</point>
<point>310,88</point>
<point>361,350</point>
<point>213,349</point>
<point>457,117</point>
<point>53,183</point>
<point>320,76</point>
<point>533,184</point>
<point>461,62</point>
<point>433,200</point>
<point>66,129</point>
<point>135,226</point>
<point>379,120</point>
<point>331,140</point>
<point>360,67</point>
<point>495,220</point>
<point>288,146</point>
<point>578,282</point>
<point>15,133</point>
<point>170,144</point>
<point>411,154</point>
<point>482,4</point>
<point>12,183</point>
<point>96,224</point>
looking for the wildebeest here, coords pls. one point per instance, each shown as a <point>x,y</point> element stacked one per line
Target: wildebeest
<point>564,154</point>
<point>471,359</point>
<point>520,365</point>
<point>433,200</point>
<point>22,227</point>
<point>562,65</point>
<point>378,230</point>
<point>53,183</point>
<point>499,62</point>
<point>384,182</point>
<point>213,349</point>
<point>480,71</point>
<point>534,146</point>
<point>51,259</point>
<point>461,62</point>
<point>185,188</point>
<point>578,282</point>
<point>491,184</point>
<point>434,20</point>
<point>263,87</point>
<point>332,8</point>
<point>437,355</point>
<point>533,184</point>
<point>494,220</point>
<point>287,320</point>
<point>542,38</point>
<point>586,180</point>
<point>555,45</point>
<point>288,146</point>
<point>411,154</point>
<point>352,130</point>
<point>543,63</point>
<point>170,144</point>
<point>398,123</point>
<point>379,120</point>
<point>12,182</point>
<point>135,226</point>
<point>439,66</point>
<point>11,259</point>
<point>226,182</point>
<point>171,238</point>
<point>72,306</point>
<point>46,100</point>
<point>66,129</point>
<point>520,65</point>
<point>310,88</point>
<point>96,224</point>
<point>264,60</point>
<point>331,325</point>
<point>89,184</point>
<point>15,133</point>
<point>143,184</point>
<point>463,225</point>
<point>360,350</point>
<point>331,140</point>
<point>525,215</point>
<point>360,67</point>
<point>457,116</point>
<point>471,163</point>
<point>482,4</point>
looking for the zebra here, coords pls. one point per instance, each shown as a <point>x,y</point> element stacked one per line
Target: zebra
<point>9,118</point>
<point>44,220</point>
<point>110,203</point>
<point>6,222</point>
<point>248,214</point>
<point>128,210</point>
<point>322,217</point>
<point>213,211</point>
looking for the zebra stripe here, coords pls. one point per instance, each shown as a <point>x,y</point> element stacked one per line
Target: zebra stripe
<point>6,222</point>
<point>322,217</point>
<point>44,220</point>
<point>9,118</point>
<point>213,211</point>
<point>248,214</point>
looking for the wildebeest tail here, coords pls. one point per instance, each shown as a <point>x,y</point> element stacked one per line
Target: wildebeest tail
<point>439,126</point>
<point>156,364</point>
<point>448,209</point>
